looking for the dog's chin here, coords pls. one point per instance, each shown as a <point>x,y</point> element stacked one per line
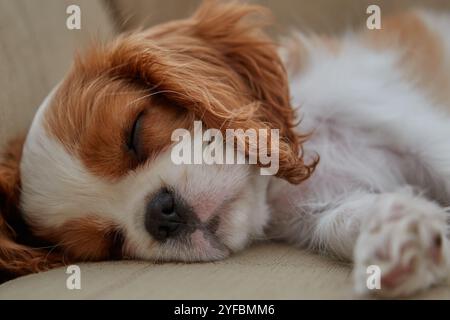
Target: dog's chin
<point>201,245</point>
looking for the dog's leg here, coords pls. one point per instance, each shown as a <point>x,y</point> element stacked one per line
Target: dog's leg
<point>402,234</point>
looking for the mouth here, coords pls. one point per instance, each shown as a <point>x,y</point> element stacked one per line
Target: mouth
<point>202,241</point>
<point>205,240</point>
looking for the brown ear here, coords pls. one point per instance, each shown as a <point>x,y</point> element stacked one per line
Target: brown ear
<point>218,64</point>
<point>17,256</point>
<point>237,32</point>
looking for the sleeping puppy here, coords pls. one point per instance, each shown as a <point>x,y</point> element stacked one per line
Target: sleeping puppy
<point>94,179</point>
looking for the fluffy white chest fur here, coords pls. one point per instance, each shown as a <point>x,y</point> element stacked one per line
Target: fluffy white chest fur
<point>383,181</point>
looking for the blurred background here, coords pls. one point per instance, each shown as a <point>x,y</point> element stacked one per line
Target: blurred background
<point>36,48</point>
<point>328,16</point>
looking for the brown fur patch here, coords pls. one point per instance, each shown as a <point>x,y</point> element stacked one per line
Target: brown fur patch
<point>86,239</point>
<point>422,51</point>
<point>94,119</point>
<point>19,252</point>
<point>216,66</point>
<point>23,248</point>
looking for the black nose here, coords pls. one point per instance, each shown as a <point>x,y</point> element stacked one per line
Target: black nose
<point>165,216</point>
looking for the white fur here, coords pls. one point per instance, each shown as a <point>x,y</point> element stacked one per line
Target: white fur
<point>381,142</point>
<point>379,137</point>
<point>56,188</point>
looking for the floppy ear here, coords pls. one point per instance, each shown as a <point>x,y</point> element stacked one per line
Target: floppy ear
<point>236,30</point>
<point>218,64</point>
<point>17,256</point>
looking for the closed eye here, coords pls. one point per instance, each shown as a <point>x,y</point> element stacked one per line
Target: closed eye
<point>133,142</point>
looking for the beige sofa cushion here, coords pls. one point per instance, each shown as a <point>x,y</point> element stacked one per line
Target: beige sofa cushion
<point>265,271</point>
<point>36,50</point>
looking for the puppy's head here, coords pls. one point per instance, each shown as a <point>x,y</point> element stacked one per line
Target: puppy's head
<point>97,179</point>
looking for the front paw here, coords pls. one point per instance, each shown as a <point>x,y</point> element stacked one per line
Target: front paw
<point>406,239</point>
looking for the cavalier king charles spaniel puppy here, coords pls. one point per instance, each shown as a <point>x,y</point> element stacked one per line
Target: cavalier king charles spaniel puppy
<point>93,180</point>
